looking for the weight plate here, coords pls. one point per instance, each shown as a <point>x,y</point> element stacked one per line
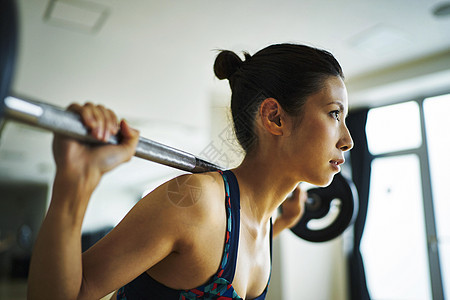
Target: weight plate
<point>8,46</point>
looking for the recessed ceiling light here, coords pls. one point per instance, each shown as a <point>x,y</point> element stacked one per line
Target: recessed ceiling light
<point>76,14</point>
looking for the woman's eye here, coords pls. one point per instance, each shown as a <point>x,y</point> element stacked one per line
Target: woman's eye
<point>335,114</point>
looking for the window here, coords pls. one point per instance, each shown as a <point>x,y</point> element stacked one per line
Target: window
<point>437,124</point>
<point>406,240</point>
<point>393,128</point>
<point>394,243</point>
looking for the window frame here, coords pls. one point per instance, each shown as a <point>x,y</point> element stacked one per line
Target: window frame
<point>437,288</point>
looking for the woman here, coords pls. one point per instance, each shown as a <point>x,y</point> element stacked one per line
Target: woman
<point>288,103</point>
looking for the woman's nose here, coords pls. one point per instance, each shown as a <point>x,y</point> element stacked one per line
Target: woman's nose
<point>346,140</point>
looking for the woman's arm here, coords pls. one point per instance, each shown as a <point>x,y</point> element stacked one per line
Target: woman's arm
<point>56,265</point>
<point>55,270</point>
<point>292,210</point>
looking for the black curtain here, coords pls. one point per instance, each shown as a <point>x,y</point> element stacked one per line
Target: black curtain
<point>360,159</point>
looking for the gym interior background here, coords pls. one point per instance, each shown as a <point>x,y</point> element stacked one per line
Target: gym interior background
<point>151,61</point>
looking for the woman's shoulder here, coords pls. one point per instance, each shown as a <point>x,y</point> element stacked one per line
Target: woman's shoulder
<point>195,194</point>
<point>200,189</point>
<point>185,206</point>
<point>198,201</point>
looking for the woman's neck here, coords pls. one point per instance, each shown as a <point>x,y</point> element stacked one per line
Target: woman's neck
<point>263,185</point>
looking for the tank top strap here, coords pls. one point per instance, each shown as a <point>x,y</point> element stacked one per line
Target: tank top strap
<point>233,207</point>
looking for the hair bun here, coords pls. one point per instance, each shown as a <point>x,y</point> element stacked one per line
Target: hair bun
<point>226,64</point>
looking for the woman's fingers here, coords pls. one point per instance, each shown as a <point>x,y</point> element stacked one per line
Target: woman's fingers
<point>128,141</point>
<point>99,120</point>
<point>303,195</point>
<point>102,123</point>
<point>130,138</point>
<point>113,124</point>
<point>110,156</point>
<point>299,195</point>
<point>295,194</point>
<point>107,120</point>
<point>294,205</point>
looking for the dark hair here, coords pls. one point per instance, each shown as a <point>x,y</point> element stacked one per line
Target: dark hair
<point>288,73</point>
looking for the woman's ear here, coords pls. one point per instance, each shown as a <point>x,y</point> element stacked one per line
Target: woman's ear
<point>272,116</point>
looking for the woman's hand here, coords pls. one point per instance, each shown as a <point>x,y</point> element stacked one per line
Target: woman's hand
<point>292,210</point>
<point>77,161</point>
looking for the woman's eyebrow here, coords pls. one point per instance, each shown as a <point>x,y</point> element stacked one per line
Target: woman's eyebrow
<point>338,103</point>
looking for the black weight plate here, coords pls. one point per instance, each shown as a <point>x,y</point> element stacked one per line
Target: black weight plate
<point>8,46</point>
<point>340,188</point>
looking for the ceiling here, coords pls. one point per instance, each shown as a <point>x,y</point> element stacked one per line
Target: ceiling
<point>151,61</point>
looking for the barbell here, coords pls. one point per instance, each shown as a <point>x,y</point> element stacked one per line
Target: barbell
<point>321,202</point>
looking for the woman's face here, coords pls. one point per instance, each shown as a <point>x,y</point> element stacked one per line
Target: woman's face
<point>318,143</point>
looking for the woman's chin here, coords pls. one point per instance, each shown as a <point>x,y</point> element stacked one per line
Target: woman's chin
<point>323,181</point>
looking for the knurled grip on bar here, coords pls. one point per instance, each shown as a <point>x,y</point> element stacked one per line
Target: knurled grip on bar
<point>67,123</point>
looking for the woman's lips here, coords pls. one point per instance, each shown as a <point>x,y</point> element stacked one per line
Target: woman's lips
<point>335,163</point>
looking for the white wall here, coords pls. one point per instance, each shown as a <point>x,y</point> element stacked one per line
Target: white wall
<point>312,270</point>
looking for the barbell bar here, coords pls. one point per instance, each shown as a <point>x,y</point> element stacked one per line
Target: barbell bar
<point>58,120</point>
